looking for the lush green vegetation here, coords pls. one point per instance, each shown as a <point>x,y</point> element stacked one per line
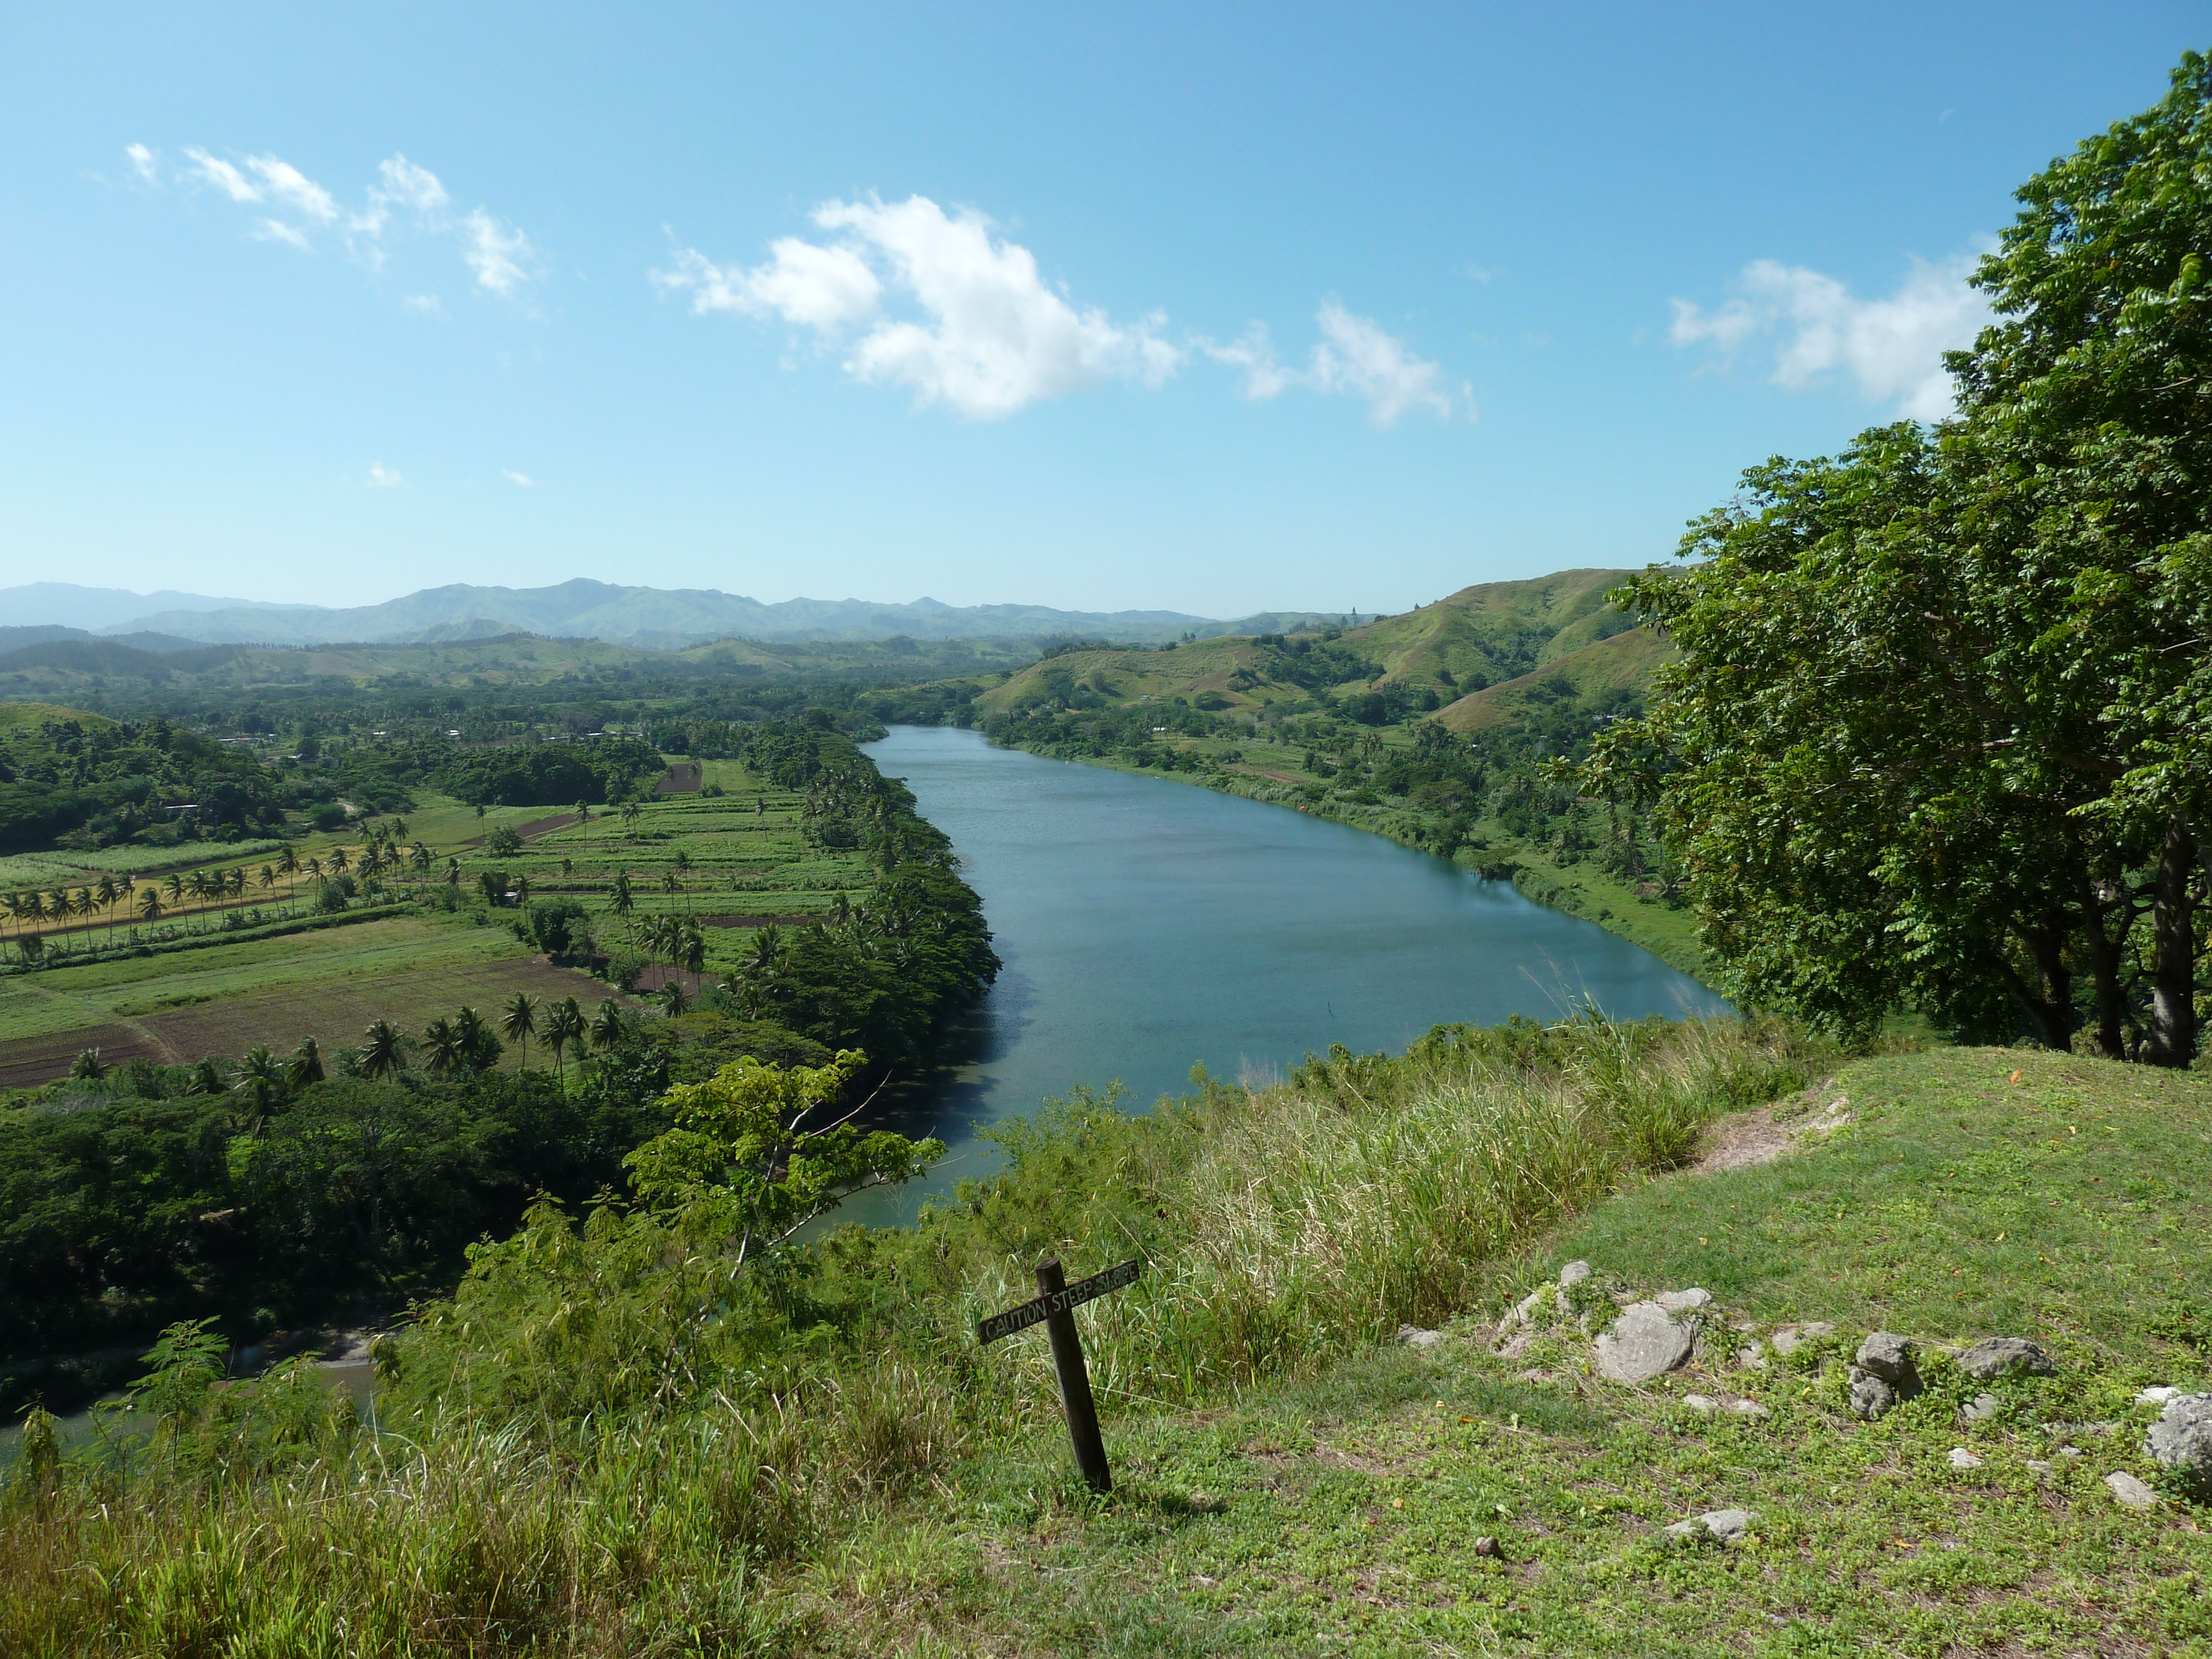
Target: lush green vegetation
<point>99,781</point>
<point>1937,734</point>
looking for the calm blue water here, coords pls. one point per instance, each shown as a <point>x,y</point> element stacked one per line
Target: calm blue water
<point>1148,926</point>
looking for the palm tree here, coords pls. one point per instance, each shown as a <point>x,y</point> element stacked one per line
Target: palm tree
<point>314,867</point>
<point>108,890</point>
<point>631,813</point>
<point>87,1067</point>
<point>419,856</point>
<point>266,879</point>
<point>149,905</point>
<point>442,1044</point>
<point>692,953</point>
<point>668,882</point>
<point>564,1025</point>
<point>175,887</point>
<point>287,865</point>
<point>672,998</point>
<point>683,861</point>
<point>608,1026</point>
<point>261,1080</point>
<point>337,859</point>
<point>622,902</point>
<point>519,1023</point>
<point>207,1076</point>
<point>584,821</point>
<point>307,1065</point>
<point>380,1049</point>
<point>399,829</point>
<point>522,891</point>
<point>479,1048</point>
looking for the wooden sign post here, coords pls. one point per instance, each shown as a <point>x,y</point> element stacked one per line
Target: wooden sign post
<point>1055,1300</point>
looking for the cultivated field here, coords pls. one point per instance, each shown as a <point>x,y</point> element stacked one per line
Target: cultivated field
<point>733,862</point>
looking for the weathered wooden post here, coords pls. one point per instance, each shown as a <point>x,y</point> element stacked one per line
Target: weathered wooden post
<point>1055,1305</point>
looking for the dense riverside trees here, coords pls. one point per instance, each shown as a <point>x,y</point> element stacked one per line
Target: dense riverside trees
<point>1940,728</point>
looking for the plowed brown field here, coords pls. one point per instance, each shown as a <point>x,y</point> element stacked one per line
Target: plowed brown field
<point>334,1012</point>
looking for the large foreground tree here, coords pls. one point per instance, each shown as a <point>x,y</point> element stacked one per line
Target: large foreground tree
<point>1940,729</point>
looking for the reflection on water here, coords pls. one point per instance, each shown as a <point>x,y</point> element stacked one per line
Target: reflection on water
<point>1148,926</point>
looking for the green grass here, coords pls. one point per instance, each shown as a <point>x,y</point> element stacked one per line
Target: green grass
<point>186,855</point>
<point>1336,1514</point>
<point>1288,1481</point>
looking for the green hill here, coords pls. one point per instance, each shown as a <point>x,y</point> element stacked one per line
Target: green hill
<point>15,716</point>
<point>1622,661</point>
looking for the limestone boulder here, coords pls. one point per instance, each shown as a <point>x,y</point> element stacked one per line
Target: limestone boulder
<point>1994,1356</point>
<point>1644,1342</point>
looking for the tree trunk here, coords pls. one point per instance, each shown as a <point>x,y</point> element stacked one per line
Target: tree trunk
<point>2049,1004</point>
<point>2173,1036</point>
<point>2102,902</point>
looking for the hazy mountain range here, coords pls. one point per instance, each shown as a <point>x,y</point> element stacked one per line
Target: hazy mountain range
<point>650,617</point>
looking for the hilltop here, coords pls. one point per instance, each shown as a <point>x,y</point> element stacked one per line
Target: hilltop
<point>1441,656</point>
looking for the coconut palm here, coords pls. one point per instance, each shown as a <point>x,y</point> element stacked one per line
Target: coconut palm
<point>419,856</point>
<point>149,905</point>
<point>522,889</point>
<point>87,1067</point>
<point>692,953</point>
<point>584,821</point>
<point>479,1046</point>
<point>380,1049</point>
<point>261,1079</point>
<point>631,813</point>
<point>607,1027</point>
<point>207,1076</point>
<point>175,887</point>
<point>441,1043</point>
<point>673,998</point>
<point>564,1025</point>
<point>306,1066</point>
<point>337,859</point>
<point>518,1022</point>
<point>399,829</point>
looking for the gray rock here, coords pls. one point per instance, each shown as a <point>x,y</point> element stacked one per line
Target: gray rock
<point>1787,1341</point>
<point>1963,1459</point>
<point>1573,1274</point>
<point>2006,1356</point>
<point>1981,1408</point>
<point>1643,1343</point>
<point>1870,1397</point>
<point>2070,1451</point>
<point>2039,1465</point>
<point>1727,1525</point>
<point>1750,1408</point>
<point>1751,1357</point>
<point>2182,1436</point>
<point>2132,1491</point>
<point>1413,1336</point>
<point>1703,1404</point>
<point>2157,1396</point>
<point>1891,1358</point>
<point>1687,1301</point>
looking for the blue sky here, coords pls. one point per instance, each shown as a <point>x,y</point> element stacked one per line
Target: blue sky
<point>1204,308</point>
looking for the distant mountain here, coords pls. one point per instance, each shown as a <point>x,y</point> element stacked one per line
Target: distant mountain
<point>68,605</point>
<point>654,618</point>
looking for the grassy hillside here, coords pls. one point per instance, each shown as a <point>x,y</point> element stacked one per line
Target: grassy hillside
<point>15,716</point>
<point>1288,1479</point>
<point>1622,661</point>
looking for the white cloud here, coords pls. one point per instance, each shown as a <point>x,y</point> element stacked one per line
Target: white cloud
<point>498,255</point>
<point>515,478</point>
<point>283,183</point>
<point>142,159</point>
<point>1817,328</point>
<point>982,331</point>
<point>1354,356</point>
<point>275,230</point>
<point>223,176</point>
<point>495,251</point>
<point>428,304</point>
<point>381,476</point>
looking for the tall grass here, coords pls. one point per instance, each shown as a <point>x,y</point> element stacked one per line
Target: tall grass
<point>611,1441</point>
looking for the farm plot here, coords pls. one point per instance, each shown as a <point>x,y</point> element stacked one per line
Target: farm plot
<point>224,1000</point>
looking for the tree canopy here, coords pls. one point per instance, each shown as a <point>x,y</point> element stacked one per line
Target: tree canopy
<point>1938,733</point>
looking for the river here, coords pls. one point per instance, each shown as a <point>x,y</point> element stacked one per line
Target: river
<point>1148,926</point>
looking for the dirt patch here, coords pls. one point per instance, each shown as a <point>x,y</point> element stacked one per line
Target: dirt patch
<point>535,827</point>
<point>1765,1133</point>
<point>29,1062</point>
<point>335,1011</point>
